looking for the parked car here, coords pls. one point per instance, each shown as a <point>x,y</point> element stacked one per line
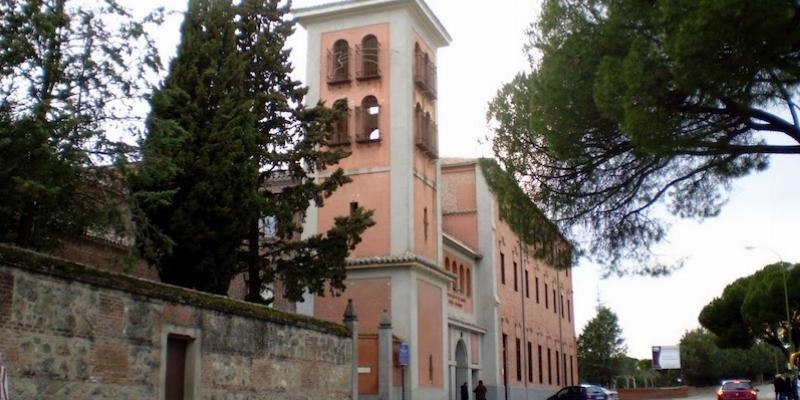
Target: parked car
<point>580,392</point>
<point>737,389</point>
<point>612,394</point>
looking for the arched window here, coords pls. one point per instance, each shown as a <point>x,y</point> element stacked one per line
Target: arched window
<point>469,283</point>
<point>426,128</point>
<point>341,133</point>
<point>418,123</point>
<point>339,62</point>
<point>461,279</point>
<point>369,114</point>
<point>369,57</point>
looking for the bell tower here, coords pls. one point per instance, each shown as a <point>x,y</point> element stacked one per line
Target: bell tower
<point>379,58</point>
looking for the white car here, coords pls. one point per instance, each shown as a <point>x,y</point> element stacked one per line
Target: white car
<point>612,394</point>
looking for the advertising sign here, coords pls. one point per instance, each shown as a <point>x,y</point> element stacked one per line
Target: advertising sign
<point>666,357</point>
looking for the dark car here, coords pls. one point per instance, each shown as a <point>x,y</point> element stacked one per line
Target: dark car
<point>737,389</point>
<point>580,392</point>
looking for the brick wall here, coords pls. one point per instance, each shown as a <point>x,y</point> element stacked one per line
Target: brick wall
<point>68,331</point>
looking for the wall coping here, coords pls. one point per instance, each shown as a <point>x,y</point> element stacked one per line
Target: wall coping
<point>40,263</point>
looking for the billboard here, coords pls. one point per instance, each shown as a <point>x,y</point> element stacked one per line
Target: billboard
<point>666,357</point>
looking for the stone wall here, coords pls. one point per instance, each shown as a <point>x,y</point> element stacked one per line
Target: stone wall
<point>68,331</point>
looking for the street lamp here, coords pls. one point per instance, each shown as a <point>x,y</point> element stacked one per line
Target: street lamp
<point>785,294</point>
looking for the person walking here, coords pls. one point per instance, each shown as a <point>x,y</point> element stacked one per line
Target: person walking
<point>480,391</point>
<point>464,391</point>
<point>784,387</point>
<point>777,384</point>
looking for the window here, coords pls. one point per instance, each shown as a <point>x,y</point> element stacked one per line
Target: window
<point>558,372</point>
<point>530,362</point>
<point>564,366</point>
<point>339,62</point>
<point>546,298</point>
<point>519,360</point>
<point>425,131</point>
<point>424,72</point>
<point>268,294</point>
<point>430,368</point>
<point>341,132</point>
<point>368,115</point>
<point>555,306</point>
<point>505,356</point>
<point>469,283</point>
<point>571,371</point>
<point>549,368</point>
<point>536,280</point>
<point>541,370</point>
<point>502,268</point>
<point>369,58</point>
<point>569,311</point>
<point>562,305</point>
<point>425,223</point>
<point>516,283</point>
<point>268,226</point>
<point>353,207</point>
<point>462,278</point>
<point>527,285</point>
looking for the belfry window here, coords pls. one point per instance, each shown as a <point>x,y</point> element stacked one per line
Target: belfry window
<point>341,128</point>
<point>368,57</point>
<point>339,62</point>
<point>368,115</point>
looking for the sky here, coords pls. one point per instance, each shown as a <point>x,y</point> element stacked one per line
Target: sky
<point>487,51</point>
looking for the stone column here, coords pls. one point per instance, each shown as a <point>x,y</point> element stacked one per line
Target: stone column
<point>385,358</point>
<point>351,322</point>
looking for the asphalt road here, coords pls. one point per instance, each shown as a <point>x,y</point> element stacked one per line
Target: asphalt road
<point>765,392</point>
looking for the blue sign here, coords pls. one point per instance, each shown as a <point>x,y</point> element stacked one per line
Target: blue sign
<point>402,354</point>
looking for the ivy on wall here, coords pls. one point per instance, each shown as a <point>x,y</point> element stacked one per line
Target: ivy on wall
<point>532,227</point>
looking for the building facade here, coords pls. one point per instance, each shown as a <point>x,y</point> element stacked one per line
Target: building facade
<point>463,292</point>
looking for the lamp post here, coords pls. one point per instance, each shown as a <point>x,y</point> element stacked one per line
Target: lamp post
<point>785,295</point>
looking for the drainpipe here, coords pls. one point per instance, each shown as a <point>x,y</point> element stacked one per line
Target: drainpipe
<point>559,314</point>
<point>524,318</point>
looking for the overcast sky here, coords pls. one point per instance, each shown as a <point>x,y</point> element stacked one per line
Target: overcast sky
<point>486,52</point>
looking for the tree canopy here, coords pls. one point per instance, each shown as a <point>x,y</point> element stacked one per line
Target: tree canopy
<point>601,348</point>
<point>752,309</point>
<point>233,159</point>
<point>632,108</point>
<point>703,362</point>
<point>67,80</point>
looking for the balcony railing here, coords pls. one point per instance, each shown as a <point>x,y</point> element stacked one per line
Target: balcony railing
<point>338,66</point>
<point>425,74</point>
<point>368,67</point>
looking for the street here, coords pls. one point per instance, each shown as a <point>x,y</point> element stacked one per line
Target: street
<point>765,392</point>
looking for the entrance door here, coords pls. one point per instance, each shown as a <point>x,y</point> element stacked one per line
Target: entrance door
<point>462,369</point>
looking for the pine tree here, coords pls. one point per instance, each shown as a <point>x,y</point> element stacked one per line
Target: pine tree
<point>65,80</point>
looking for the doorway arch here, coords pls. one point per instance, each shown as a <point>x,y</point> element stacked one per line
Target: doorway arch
<point>462,367</point>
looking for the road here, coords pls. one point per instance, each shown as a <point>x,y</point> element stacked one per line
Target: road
<point>765,392</point>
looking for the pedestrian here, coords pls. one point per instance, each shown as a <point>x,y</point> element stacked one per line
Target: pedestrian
<point>777,384</point>
<point>464,391</point>
<point>480,391</point>
<point>786,387</point>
